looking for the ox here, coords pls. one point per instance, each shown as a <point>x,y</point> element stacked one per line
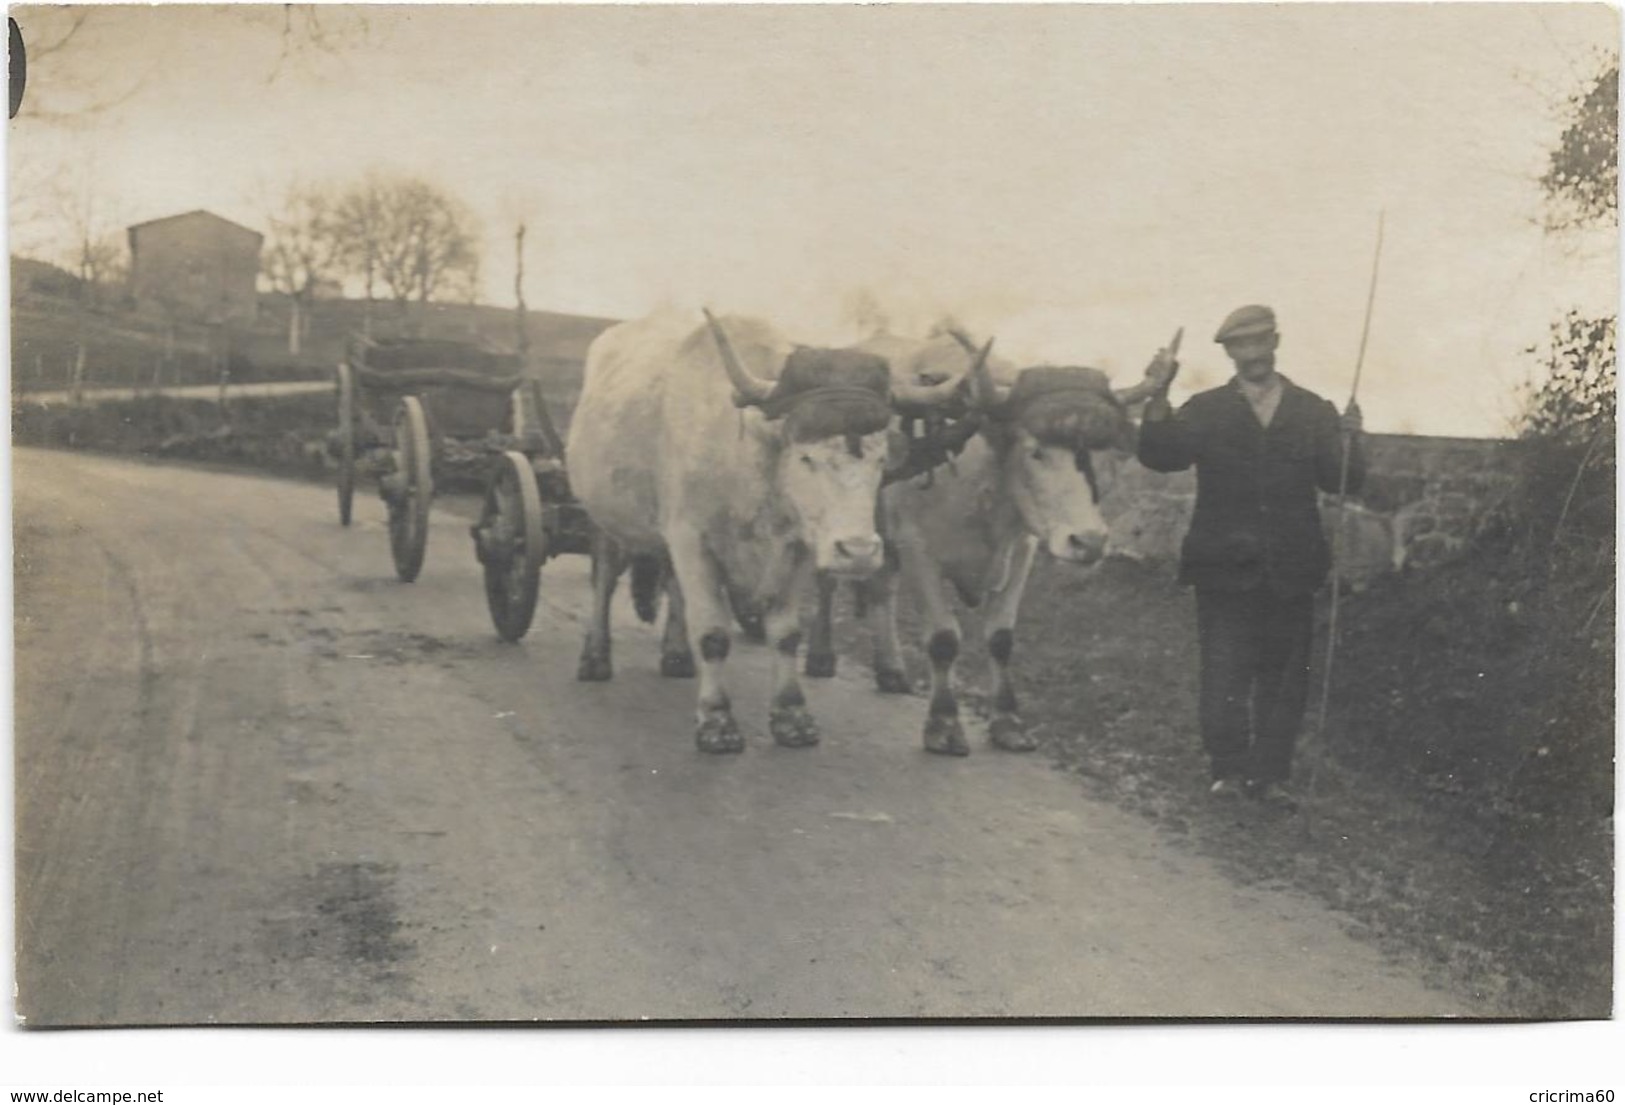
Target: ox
<point>1024,477</point>
<point>720,458</point>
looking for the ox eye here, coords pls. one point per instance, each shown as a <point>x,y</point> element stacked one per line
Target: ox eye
<point>1038,454</point>
<point>807,460</point>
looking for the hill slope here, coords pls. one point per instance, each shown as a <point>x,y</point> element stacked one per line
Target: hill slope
<point>129,348</point>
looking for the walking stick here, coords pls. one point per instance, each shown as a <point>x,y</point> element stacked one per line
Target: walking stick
<point>1342,511</point>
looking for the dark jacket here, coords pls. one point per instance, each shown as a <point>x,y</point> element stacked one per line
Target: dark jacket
<point>1257,518</point>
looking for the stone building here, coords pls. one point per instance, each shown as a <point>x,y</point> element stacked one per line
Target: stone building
<point>196,267</point>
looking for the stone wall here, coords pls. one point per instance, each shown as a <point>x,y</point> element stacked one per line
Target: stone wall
<point>1424,498</point>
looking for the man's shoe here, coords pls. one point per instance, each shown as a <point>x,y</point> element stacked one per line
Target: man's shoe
<point>1226,787</point>
<point>1275,796</point>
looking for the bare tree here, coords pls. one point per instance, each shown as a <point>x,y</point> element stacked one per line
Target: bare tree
<point>358,228</point>
<point>303,249</point>
<point>416,239</point>
<point>93,248</point>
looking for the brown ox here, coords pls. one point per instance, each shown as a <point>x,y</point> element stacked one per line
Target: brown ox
<point>1027,478</point>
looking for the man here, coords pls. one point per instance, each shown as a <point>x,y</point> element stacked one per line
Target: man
<point>1255,553</point>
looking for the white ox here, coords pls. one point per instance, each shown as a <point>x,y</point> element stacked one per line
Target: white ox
<point>1025,479</point>
<point>723,458</point>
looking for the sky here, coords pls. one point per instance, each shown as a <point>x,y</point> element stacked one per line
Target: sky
<point>1076,182</point>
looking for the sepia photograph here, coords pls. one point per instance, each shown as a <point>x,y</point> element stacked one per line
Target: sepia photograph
<point>747,515</point>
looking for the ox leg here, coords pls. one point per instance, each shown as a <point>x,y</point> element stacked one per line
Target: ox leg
<point>608,562</point>
<point>789,720</point>
<point>821,641</point>
<point>890,676</point>
<point>708,616</point>
<point>1005,728</point>
<point>943,732</point>
<point>676,657</point>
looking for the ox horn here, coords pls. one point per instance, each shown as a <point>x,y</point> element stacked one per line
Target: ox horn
<point>1145,389</point>
<point>749,390</point>
<point>918,398</point>
<point>988,393</point>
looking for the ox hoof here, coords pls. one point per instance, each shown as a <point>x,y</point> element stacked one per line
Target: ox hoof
<point>892,681</point>
<point>1008,732</point>
<point>594,669</point>
<point>945,736</point>
<point>677,665</point>
<point>820,665</point>
<point>719,733</point>
<point>793,727</point>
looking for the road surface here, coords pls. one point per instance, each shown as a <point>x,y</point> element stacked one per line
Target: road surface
<point>259,780</point>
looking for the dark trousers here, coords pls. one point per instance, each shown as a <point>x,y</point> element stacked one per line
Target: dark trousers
<point>1255,678</point>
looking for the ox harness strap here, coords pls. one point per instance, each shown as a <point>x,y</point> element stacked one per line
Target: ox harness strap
<point>777,406</point>
<point>934,445</point>
<point>830,411</point>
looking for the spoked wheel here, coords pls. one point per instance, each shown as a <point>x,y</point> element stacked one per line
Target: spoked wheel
<point>412,489</point>
<point>511,545</point>
<point>346,441</point>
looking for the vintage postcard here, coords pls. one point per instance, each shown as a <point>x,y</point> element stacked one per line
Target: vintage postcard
<point>757,513</point>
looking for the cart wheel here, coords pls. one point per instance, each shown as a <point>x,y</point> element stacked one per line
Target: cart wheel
<point>512,545</point>
<point>346,442</point>
<point>409,509</point>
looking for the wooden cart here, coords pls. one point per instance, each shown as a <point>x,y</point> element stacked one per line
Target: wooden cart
<point>412,412</point>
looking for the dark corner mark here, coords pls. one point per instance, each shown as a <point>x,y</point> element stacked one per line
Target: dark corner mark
<point>19,67</point>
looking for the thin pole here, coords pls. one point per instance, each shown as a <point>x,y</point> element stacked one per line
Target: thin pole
<point>521,339</point>
<point>1342,488</point>
<point>530,386</point>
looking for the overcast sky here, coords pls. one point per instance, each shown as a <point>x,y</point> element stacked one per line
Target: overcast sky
<point>1078,181</point>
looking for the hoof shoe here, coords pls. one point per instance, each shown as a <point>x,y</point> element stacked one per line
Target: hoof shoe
<point>793,727</point>
<point>945,736</point>
<point>719,733</point>
<point>677,665</point>
<point>594,669</point>
<point>891,681</point>
<point>1008,732</point>
<point>820,665</point>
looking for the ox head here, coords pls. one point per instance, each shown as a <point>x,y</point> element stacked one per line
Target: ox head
<point>1044,430</point>
<point>833,409</point>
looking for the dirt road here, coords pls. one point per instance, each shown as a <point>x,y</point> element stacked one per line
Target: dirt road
<point>259,780</point>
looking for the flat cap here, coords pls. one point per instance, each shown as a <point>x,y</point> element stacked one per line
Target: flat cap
<point>1244,322</point>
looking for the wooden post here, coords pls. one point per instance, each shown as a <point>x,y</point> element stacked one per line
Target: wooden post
<point>522,340</point>
<point>538,408</point>
<point>77,388</point>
